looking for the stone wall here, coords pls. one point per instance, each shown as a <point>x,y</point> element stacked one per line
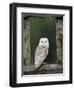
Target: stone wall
<point>59,40</point>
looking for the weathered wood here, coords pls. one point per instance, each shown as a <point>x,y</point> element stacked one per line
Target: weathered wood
<point>50,67</point>
<point>45,69</point>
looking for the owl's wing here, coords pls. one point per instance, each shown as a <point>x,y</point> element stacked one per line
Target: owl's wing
<point>40,55</point>
<point>38,58</point>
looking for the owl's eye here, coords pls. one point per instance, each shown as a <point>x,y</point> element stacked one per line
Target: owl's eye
<point>42,41</point>
<point>45,41</point>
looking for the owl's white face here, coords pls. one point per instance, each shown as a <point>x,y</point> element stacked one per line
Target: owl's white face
<point>44,42</point>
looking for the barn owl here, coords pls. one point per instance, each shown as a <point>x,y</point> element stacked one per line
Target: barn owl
<point>41,52</point>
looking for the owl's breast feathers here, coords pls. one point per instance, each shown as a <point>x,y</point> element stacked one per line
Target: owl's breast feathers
<point>41,51</point>
<point>41,54</point>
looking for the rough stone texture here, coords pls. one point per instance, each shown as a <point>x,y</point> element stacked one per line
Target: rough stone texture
<point>59,40</point>
<point>26,43</point>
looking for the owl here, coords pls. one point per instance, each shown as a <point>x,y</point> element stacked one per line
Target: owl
<point>41,52</point>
